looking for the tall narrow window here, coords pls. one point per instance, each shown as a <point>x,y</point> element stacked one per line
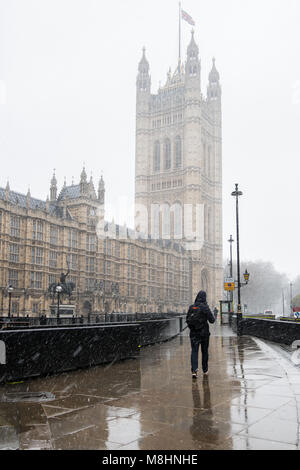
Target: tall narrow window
<point>53,259</point>
<point>37,230</point>
<point>166,223</point>
<point>177,221</point>
<point>37,255</point>
<point>73,239</point>
<point>15,226</point>
<point>13,278</point>
<point>53,235</point>
<point>178,152</point>
<point>167,154</point>
<point>14,253</point>
<point>156,156</point>
<point>91,243</point>
<point>155,221</point>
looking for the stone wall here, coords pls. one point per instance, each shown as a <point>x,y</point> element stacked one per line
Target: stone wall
<point>277,331</point>
<point>42,351</point>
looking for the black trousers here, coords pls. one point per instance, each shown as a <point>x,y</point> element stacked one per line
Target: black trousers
<point>196,341</point>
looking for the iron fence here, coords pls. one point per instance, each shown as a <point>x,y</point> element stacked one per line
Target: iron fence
<point>93,319</point>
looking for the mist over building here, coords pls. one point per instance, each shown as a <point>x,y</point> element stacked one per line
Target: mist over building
<point>175,248</point>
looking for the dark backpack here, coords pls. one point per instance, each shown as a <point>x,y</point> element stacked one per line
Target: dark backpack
<point>194,319</point>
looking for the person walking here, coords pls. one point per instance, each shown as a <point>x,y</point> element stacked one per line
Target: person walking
<point>198,317</point>
<point>216,311</point>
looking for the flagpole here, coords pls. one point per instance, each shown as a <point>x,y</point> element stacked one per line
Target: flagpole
<point>179,32</point>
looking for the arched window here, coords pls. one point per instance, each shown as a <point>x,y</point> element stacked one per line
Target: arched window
<point>166,222</point>
<point>156,164</point>
<point>155,221</point>
<point>177,221</point>
<point>167,154</point>
<point>178,152</point>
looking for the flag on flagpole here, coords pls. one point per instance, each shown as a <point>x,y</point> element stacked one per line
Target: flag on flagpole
<point>187,17</point>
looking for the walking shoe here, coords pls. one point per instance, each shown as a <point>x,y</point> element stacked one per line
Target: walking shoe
<point>194,375</point>
<point>205,373</point>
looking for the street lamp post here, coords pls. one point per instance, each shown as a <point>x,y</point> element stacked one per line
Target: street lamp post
<point>59,291</point>
<point>236,194</point>
<point>231,240</point>
<point>10,291</point>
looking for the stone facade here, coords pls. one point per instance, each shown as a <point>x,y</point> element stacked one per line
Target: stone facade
<point>112,269</point>
<point>178,183</point>
<point>176,247</point>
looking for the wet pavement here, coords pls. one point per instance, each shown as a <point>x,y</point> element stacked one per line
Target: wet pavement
<point>249,400</point>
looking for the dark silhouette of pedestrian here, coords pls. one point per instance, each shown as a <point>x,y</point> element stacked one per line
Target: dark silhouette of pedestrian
<point>216,311</point>
<point>43,320</point>
<point>198,317</point>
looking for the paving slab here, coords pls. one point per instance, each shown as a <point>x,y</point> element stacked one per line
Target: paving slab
<point>249,401</point>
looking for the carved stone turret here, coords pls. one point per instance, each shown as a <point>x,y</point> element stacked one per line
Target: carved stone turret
<point>53,188</point>
<point>101,191</point>
<point>83,183</point>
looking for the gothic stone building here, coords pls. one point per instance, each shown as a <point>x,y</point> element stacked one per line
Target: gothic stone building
<point>176,247</point>
<point>113,270</point>
<point>178,181</point>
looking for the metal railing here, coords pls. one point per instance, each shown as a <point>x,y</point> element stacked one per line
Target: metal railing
<point>92,319</point>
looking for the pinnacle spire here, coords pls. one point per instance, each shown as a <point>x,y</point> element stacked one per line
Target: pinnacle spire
<point>83,176</point>
<point>214,90</point>
<point>214,75</point>
<point>144,64</point>
<point>54,180</point>
<point>193,49</point>
<point>53,187</point>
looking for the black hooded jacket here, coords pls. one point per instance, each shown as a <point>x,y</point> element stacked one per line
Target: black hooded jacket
<point>205,315</point>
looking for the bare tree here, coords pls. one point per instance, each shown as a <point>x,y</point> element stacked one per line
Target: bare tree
<point>266,289</point>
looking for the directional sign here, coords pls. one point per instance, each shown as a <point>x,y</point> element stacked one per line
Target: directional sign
<point>229,286</point>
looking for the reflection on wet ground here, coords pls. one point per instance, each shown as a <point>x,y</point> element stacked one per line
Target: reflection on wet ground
<point>250,400</point>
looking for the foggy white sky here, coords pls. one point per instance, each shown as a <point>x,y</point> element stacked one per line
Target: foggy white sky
<point>69,67</point>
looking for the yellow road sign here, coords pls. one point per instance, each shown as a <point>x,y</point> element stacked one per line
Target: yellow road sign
<point>229,286</point>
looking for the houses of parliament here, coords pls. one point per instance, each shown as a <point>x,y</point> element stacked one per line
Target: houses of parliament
<point>175,248</point>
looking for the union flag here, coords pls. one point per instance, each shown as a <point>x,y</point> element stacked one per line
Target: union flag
<point>187,17</point>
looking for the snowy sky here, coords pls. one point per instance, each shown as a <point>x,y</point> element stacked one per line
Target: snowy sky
<point>67,97</point>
